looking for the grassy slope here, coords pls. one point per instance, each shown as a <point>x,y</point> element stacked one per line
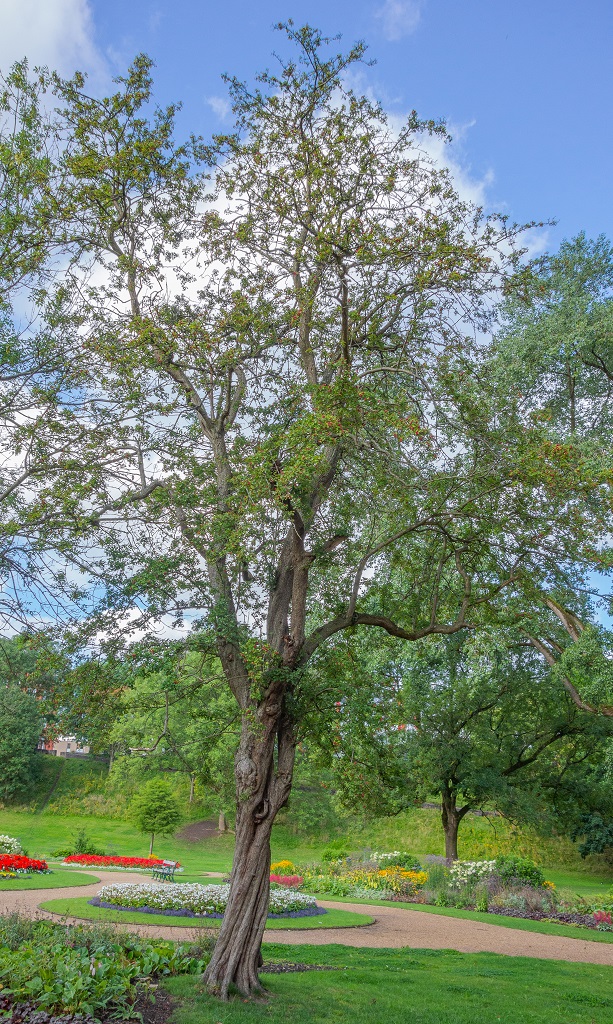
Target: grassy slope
<point>79,907</point>
<point>55,880</point>
<point>42,833</point>
<point>411,987</point>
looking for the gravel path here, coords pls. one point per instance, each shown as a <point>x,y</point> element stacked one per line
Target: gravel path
<point>394,927</point>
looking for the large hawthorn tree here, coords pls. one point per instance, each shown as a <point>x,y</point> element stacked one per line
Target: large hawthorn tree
<point>305,418</point>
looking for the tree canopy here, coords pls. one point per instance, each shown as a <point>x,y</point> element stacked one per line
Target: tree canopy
<point>269,412</point>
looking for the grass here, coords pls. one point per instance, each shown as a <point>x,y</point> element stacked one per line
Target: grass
<point>574,883</point>
<point>41,834</point>
<point>520,923</point>
<point>55,880</point>
<point>79,907</point>
<point>403,986</point>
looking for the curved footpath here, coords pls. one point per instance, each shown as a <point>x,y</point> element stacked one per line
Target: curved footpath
<point>394,927</point>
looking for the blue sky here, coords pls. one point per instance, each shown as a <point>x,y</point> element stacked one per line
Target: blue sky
<point>525,86</point>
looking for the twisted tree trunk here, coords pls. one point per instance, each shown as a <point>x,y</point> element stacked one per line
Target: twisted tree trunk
<point>262,789</point>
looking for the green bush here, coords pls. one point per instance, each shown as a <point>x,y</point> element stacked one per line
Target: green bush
<point>335,850</point>
<point>482,899</point>
<point>84,969</point>
<point>519,869</point>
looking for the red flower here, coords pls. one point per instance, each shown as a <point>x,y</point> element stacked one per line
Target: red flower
<point>120,862</point>
<point>289,880</point>
<point>17,862</point>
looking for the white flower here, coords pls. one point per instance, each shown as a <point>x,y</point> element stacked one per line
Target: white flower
<point>468,871</point>
<point>9,845</point>
<point>200,899</point>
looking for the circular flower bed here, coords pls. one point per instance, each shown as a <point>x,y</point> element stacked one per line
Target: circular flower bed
<point>17,862</point>
<point>127,863</point>
<point>178,899</point>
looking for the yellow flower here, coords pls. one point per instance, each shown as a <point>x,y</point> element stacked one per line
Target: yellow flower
<point>283,867</point>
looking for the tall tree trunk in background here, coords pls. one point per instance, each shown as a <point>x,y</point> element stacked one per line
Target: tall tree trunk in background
<point>451,817</point>
<point>192,782</point>
<point>151,844</point>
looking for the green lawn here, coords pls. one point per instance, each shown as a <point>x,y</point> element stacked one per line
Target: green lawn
<point>41,834</point>
<point>55,880</point>
<point>79,907</point>
<point>574,883</point>
<point>384,986</point>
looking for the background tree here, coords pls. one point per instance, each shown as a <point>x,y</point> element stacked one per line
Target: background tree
<point>178,718</point>
<point>473,723</point>
<point>20,730</point>
<point>335,460</point>
<point>155,810</point>
<point>554,351</point>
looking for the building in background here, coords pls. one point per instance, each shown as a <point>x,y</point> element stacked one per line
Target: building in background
<point>63,746</point>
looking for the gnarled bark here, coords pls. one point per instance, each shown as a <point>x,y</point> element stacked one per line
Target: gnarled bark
<point>262,789</point>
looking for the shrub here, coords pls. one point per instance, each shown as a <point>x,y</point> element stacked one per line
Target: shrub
<point>10,845</point>
<point>482,899</point>
<point>519,869</point>
<point>336,850</point>
<point>84,970</point>
<point>438,876</point>
<point>396,859</point>
<point>469,872</point>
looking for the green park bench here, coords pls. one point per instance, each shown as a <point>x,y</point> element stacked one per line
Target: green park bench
<point>165,872</point>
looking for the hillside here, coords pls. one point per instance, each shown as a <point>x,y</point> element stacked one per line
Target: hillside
<point>70,790</point>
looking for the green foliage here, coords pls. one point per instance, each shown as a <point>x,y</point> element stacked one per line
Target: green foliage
<point>20,728</point>
<point>482,899</point>
<point>519,869</point>
<point>155,810</point>
<point>81,969</point>
<point>335,850</point>
<point>596,833</point>
<point>437,722</point>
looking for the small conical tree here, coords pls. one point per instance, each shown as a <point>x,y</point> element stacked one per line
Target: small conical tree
<point>155,810</point>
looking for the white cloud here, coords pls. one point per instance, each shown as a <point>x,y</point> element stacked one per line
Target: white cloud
<point>399,18</point>
<point>56,33</point>
<point>220,105</point>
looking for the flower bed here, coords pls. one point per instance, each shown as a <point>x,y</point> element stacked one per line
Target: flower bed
<point>290,881</point>
<point>178,899</point>
<point>386,883</point>
<point>92,860</point>
<point>16,862</point>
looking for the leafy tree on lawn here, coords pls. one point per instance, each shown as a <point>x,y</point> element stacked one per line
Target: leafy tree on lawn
<point>20,729</point>
<point>554,350</point>
<point>305,424</point>
<point>155,810</point>
<point>474,722</point>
